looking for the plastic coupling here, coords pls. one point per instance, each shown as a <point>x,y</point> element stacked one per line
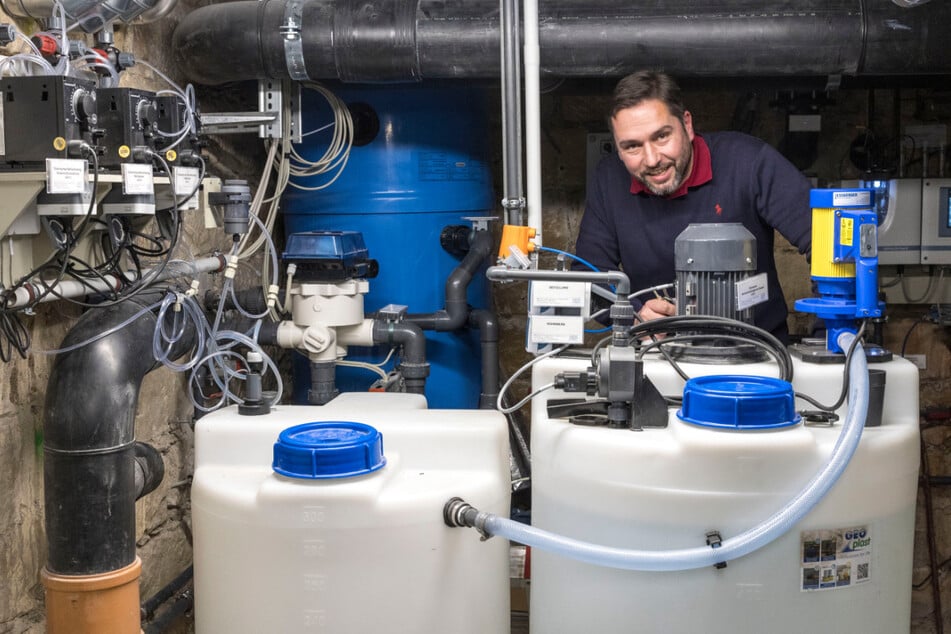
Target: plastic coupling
<point>460,514</point>
<point>414,370</point>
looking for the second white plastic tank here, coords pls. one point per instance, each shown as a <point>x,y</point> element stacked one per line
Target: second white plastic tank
<point>846,567</point>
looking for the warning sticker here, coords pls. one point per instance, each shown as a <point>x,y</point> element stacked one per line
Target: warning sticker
<point>845,232</point>
<point>835,558</point>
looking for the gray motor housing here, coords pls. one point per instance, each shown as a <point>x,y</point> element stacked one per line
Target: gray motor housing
<point>709,259</point>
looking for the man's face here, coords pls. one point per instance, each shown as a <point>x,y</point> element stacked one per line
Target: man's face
<point>655,146</point>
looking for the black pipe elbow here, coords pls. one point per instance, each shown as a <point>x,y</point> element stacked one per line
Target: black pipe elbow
<point>149,468</point>
<point>89,439</point>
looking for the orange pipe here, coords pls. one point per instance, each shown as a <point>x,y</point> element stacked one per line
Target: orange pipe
<point>106,603</point>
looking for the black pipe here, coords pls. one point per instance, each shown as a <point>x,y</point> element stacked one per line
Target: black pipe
<point>413,365</point>
<point>323,382</point>
<point>153,603</point>
<point>488,325</point>
<point>89,440</point>
<point>167,618</point>
<point>408,40</point>
<point>456,312</point>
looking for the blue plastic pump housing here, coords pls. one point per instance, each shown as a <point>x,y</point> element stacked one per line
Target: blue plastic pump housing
<point>329,256</point>
<point>851,238</point>
<point>327,450</point>
<point>739,402</point>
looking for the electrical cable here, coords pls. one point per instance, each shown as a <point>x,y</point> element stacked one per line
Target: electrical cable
<point>904,341</point>
<point>932,284</point>
<point>508,383</point>
<point>517,406</point>
<point>697,324</point>
<point>845,376</point>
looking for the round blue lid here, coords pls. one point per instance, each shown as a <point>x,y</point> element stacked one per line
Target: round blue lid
<point>841,198</point>
<point>739,402</point>
<point>332,449</point>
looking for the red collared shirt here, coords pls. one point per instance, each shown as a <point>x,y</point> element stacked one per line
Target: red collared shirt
<point>702,171</point>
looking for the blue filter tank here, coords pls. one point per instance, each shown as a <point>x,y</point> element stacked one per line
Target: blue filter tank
<point>419,164</point>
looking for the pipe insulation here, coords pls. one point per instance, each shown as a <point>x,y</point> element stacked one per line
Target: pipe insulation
<point>409,40</point>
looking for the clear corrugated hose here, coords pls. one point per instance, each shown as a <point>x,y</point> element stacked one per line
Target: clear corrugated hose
<point>735,547</point>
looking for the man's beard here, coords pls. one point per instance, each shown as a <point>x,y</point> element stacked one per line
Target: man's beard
<point>681,166</point>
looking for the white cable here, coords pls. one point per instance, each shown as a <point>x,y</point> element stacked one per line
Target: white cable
<point>363,365</point>
<point>509,410</point>
<point>511,379</point>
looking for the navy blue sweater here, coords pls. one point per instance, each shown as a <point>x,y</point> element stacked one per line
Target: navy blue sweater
<point>752,184</point>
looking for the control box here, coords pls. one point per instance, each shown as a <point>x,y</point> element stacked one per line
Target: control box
<point>127,119</point>
<point>40,114</point>
<point>899,229</point>
<point>936,221</point>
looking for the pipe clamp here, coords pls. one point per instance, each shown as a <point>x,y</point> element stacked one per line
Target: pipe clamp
<point>293,43</point>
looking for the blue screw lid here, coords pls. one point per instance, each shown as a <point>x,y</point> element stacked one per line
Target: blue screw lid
<point>332,449</point>
<point>739,402</point>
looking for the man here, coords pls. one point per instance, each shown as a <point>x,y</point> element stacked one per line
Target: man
<point>664,177</point>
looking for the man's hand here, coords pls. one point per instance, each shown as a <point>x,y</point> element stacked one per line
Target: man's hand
<point>657,308</point>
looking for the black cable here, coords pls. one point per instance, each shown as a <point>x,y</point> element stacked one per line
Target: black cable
<point>904,341</point>
<point>696,324</point>
<point>13,337</point>
<point>845,376</point>
<point>660,343</point>
<point>921,584</point>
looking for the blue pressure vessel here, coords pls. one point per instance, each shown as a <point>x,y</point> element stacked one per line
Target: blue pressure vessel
<point>419,164</point>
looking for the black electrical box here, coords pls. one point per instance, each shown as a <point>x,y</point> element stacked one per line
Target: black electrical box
<point>172,123</point>
<point>41,113</point>
<point>127,119</point>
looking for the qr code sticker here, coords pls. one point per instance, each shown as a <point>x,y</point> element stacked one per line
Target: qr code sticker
<point>862,571</point>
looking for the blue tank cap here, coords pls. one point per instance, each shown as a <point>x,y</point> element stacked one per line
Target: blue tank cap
<point>332,449</point>
<point>739,402</point>
<point>841,198</point>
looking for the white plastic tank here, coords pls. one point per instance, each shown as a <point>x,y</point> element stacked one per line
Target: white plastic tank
<point>846,567</point>
<point>362,547</point>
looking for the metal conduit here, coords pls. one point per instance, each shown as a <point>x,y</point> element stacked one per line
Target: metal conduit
<point>409,40</point>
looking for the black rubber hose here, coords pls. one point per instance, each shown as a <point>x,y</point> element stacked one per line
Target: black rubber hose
<point>89,439</point>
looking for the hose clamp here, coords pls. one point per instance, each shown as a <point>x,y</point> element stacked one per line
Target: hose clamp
<point>290,30</point>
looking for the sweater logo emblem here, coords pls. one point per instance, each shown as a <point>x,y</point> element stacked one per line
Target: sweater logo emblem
<point>719,209</point>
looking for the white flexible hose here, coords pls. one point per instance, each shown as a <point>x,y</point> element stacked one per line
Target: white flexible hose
<point>734,547</point>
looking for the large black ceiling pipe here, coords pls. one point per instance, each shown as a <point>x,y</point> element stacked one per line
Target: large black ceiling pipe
<point>408,40</point>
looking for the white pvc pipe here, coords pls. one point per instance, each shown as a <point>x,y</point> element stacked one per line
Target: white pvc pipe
<point>734,547</point>
<point>533,150</point>
<point>26,293</point>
